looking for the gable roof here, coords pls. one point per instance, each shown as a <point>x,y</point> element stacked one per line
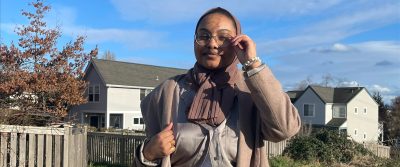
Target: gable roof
<point>336,122</point>
<point>133,74</point>
<point>294,95</point>
<point>335,95</point>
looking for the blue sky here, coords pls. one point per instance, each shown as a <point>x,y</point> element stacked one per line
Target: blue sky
<point>355,41</point>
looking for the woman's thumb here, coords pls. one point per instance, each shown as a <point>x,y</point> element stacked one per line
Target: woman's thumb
<point>168,127</point>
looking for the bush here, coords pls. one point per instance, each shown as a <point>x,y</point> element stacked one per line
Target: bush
<point>284,161</point>
<point>325,146</point>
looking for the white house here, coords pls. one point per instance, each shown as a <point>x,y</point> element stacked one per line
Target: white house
<point>351,110</point>
<point>115,90</point>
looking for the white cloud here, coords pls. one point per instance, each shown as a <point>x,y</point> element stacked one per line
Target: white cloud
<point>337,47</point>
<point>352,67</point>
<point>340,47</point>
<point>379,88</point>
<point>176,11</point>
<point>333,29</point>
<point>349,84</point>
<point>8,27</point>
<point>133,39</point>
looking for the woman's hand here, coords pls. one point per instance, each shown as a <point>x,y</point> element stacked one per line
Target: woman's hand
<point>245,49</point>
<point>160,145</point>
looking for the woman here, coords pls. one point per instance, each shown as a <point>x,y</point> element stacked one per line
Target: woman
<point>217,115</point>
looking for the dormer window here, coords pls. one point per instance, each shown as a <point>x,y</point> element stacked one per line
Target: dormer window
<point>339,112</point>
<point>94,93</point>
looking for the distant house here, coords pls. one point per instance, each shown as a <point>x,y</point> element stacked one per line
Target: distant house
<point>351,110</point>
<point>115,90</point>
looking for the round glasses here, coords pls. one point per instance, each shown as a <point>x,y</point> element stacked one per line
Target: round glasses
<point>203,39</point>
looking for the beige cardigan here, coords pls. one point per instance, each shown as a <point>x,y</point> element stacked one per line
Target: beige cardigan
<point>265,113</point>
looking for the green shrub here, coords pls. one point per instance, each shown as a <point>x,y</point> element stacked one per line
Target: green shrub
<point>325,146</point>
<point>284,161</point>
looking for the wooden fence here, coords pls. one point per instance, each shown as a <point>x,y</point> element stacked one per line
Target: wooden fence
<point>115,149</point>
<point>378,150</point>
<point>42,146</point>
<point>275,149</point>
<point>112,149</point>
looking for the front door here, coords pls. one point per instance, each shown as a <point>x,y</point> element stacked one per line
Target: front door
<point>94,121</point>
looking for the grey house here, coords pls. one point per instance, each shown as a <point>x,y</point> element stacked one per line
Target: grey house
<point>351,110</point>
<point>115,90</point>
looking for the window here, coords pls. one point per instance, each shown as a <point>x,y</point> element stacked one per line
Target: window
<point>365,135</point>
<point>355,132</point>
<point>138,121</point>
<point>308,110</point>
<point>144,93</point>
<point>343,131</point>
<point>94,93</point>
<point>339,112</point>
<point>365,110</point>
<point>355,110</point>
<point>116,121</point>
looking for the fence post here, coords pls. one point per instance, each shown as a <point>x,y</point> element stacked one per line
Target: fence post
<point>67,134</point>
<point>122,150</point>
<point>85,148</point>
<point>22,149</point>
<point>32,150</point>
<point>3,149</point>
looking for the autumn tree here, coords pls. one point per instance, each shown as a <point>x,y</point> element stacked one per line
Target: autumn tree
<point>108,55</point>
<point>382,114</point>
<point>393,122</point>
<point>38,77</point>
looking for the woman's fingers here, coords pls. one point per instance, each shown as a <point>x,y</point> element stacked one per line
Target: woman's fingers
<point>238,40</point>
<point>244,47</point>
<point>162,144</point>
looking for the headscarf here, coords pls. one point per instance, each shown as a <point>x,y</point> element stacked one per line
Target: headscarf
<point>215,91</point>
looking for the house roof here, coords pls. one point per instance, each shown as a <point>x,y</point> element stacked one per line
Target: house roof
<point>133,74</point>
<point>294,95</point>
<point>336,122</point>
<point>336,95</point>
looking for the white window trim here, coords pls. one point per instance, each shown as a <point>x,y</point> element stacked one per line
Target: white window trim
<point>355,132</point>
<point>93,87</point>
<point>355,110</point>
<point>365,110</point>
<point>313,113</point>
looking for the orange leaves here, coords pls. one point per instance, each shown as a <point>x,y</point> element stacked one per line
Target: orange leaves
<point>39,75</point>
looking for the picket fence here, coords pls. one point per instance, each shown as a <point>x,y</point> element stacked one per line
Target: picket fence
<point>43,146</point>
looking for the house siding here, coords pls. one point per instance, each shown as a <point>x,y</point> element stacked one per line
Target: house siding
<point>328,112</point>
<point>309,97</point>
<point>125,101</point>
<point>91,107</point>
<point>364,123</point>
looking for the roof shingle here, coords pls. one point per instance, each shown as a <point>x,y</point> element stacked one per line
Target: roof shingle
<point>133,74</point>
<point>336,95</point>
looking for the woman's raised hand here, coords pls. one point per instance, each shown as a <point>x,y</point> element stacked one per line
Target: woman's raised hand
<point>160,145</point>
<point>245,49</point>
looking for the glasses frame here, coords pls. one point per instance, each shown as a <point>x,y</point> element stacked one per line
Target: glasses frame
<point>212,37</point>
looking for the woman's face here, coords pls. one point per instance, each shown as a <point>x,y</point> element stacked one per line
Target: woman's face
<point>213,54</point>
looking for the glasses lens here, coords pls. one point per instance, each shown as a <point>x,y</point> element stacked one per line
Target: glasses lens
<point>222,40</point>
<point>202,39</point>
